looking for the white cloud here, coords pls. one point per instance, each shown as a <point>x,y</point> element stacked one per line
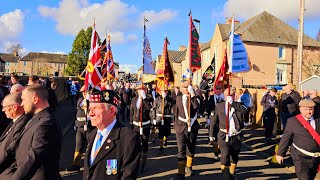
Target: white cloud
<point>284,9</point>
<point>113,15</point>
<point>11,25</point>
<point>132,68</point>
<point>155,18</point>
<point>57,52</point>
<point>132,37</point>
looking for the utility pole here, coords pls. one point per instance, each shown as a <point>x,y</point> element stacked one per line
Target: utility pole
<point>300,43</point>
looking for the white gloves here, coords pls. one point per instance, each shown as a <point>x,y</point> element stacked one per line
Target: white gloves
<point>164,95</point>
<point>229,99</point>
<point>211,139</point>
<point>190,90</point>
<point>142,94</point>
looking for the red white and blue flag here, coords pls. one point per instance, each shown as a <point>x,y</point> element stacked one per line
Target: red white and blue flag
<point>93,76</point>
<point>108,71</point>
<point>147,58</point>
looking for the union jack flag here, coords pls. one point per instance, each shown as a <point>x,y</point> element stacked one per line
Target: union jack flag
<point>93,76</point>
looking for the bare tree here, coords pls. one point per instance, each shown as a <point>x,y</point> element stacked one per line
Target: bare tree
<point>14,49</point>
<point>318,36</point>
<point>311,64</point>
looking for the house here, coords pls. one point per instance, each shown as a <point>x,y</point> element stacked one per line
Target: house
<point>9,62</point>
<point>43,64</point>
<point>312,83</point>
<point>272,49</point>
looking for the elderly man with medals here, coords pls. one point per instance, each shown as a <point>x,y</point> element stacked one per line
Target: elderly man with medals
<point>113,150</point>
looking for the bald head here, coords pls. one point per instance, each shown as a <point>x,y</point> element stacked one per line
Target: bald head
<point>313,94</point>
<point>16,88</point>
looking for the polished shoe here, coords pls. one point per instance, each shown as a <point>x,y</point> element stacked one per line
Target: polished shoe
<point>73,168</point>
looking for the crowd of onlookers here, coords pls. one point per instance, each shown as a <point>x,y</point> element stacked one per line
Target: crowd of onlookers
<point>15,84</point>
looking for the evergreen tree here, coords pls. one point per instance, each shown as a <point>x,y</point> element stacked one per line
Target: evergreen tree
<point>79,55</point>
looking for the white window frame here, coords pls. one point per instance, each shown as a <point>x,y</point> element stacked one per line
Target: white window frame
<point>283,52</point>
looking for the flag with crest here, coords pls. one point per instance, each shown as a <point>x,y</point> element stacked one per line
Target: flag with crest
<point>147,58</point>
<point>165,78</point>
<point>208,76</point>
<point>108,71</point>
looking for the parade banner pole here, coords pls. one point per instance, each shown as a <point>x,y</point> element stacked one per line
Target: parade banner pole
<point>162,120</point>
<point>228,110</point>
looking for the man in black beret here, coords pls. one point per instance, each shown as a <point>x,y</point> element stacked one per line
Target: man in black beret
<point>113,149</point>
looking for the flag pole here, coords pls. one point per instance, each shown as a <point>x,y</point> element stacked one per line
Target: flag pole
<point>190,80</point>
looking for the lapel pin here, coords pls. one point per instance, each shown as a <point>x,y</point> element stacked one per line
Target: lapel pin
<point>107,147</point>
<point>109,141</point>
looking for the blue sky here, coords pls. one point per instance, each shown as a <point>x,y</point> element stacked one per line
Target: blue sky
<point>50,26</point>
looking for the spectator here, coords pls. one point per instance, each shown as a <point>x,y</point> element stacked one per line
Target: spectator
<point>289,104</point>
<point>68,86</point>
<point>305,94</point>
<point>53,102</point>
<point>316,99</point>
<point>73,92</point>
<point>269,103</point>
<point>246,98</point>
<point>16,88</point>
<point>15,79</point>
<point>33,79</point>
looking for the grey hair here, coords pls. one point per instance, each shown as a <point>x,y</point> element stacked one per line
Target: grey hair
<point>109,105</point>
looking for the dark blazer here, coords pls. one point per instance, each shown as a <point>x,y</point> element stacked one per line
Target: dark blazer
<point>38,151</point>
<point>220,117</point>
<point>211,105</point>
<point>157,108</point>
<point>9,136</point>
<point>296,133</point>
<point>289,102</point>
<point>125,97</point>
<point>124,147</point>
<point>146,107</point>
<point>150,94</point>
<point>317,107</point>
<point>180,126</point>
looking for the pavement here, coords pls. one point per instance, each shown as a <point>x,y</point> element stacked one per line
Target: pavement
<point>253,164</point>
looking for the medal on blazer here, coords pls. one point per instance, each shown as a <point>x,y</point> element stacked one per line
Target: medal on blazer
<point>114,168</point>
<point>108,171</point>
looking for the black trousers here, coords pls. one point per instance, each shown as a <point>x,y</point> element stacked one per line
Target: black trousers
<point>80,140</point>
<point>144,139</point>
<point>229,150</point>
<point>125,113</point>
<point>306,169</point>
<point>164,130</point>
<point>186,143</point>
<point>246,116</point>
<point>268,122</point>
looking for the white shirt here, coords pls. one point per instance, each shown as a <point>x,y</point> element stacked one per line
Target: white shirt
<point>232,125</point>
<point>312,122</point>
<point>15,119</point>
<point>105,132</point>
<point>154,94</point>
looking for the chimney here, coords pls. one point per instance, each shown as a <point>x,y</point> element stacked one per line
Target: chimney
<point>15,53</point>
<point>236,22</point>
<point>182,48</point>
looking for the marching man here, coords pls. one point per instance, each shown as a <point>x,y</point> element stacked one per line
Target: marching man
<point>229,135</point>
<point>303,131</point>
<point>186,126</point>
<point>140,108</point>
<point>163,121</point>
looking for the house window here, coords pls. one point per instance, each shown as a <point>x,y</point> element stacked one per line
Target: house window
<point>7,63</point>
<point>24,72</point>
<point>7,70</point>
<point>24,63</point>
<point>281,52</point>
<point>216,51</point>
